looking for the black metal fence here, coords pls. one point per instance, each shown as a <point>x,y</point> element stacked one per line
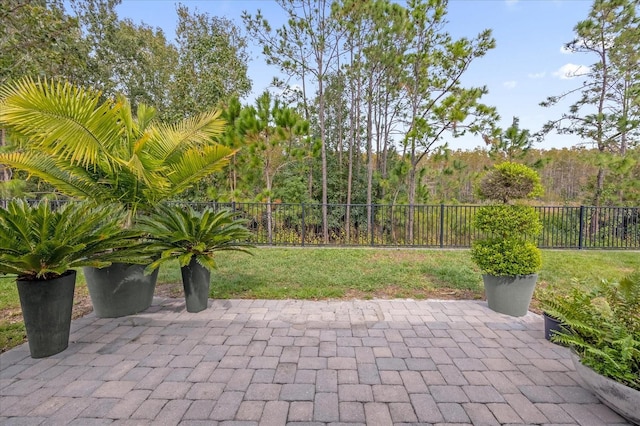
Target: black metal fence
<point>444,226</point>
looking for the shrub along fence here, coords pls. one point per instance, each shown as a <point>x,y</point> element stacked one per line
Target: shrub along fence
<point>444,226</point>
<point>440,225</point>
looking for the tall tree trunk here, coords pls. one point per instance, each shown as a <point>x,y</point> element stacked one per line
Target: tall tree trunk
<point>597,196</point>
<point>323,150</point>
<point>354,147</point>
<point>349,180</point>
<point>412,193</point>
<point>625,115</point>
<point>594,226</point>
<point>310,180</point>
<point>352,124</point>
<point>387,132</point>
<point>269,208</point>
<point>307,117</point>
<point>5,172</point>
<point>339,122</point>
<point>412,175</point>
<point>234,177</point>
<point>370,156</point>
<point>600,131</point>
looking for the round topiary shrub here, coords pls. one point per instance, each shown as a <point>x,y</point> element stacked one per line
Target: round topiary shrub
<point>510,181</point>
<point>506,257</point>
<point>507,220</point>
<point>508,232</point>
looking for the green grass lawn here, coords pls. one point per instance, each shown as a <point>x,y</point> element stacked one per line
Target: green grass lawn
<point>320,273</point>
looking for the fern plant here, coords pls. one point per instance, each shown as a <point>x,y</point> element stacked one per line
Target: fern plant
<point>603,327</point>
<point>41,243</point>
<point>180,232</point>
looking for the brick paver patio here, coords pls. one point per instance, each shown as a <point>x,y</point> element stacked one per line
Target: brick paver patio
<point>264,362</point>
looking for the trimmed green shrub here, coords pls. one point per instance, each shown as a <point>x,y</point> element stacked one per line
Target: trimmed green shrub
<point>508,220</point>
<point>509,231</point>
<point>510,181</point>
<point>506,257</point>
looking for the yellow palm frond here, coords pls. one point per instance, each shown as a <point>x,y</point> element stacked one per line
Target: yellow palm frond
<point>171,140</point>
<point>101,151</point>
<point>197,163</point>
<point>69,179</point>
<point>63,119</point>
<point>149,177</point>
<point>146,115</point>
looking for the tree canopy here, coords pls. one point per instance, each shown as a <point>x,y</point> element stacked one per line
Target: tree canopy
<point>366,99</point>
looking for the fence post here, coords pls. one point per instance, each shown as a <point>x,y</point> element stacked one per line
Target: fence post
<point>373,225</point>
<point>233,206</point>
<point>581,235</point>
<point>303,227</point>
<point>441,225</point>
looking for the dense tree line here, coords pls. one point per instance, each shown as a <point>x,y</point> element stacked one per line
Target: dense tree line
<point>369,95</point>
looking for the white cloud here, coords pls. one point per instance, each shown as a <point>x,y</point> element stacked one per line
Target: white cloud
<point>510,84</point>
<point>565,50</point>
<point>569,71</point>
<point>537,75</point>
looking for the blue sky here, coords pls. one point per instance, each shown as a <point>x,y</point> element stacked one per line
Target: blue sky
<point>527,65</point>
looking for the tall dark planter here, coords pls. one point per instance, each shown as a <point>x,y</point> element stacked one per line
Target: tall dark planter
<point>195,281</point>
<point>510,295</point>
<point>46,309</point>
<point>120,289</point>
<point>551,326</point>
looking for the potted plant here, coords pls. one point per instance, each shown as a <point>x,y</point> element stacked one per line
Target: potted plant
<point>192,237</point>
<point>546,298</point>
<point>42,246</point>
<point>602,327</point>
<point>506,251</point>
<point>93,148</point>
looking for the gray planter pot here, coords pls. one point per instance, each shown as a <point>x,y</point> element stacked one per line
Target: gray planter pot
<point>120,289</point>
<point>46,309</point>
<point>620,398</point>
<point>510,295</point>
<point>195,281</point>
<point>551,326</point>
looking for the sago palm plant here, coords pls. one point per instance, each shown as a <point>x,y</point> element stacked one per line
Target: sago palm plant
<point>42,243</point>
<point>180,232</point>
<point>89,148</point>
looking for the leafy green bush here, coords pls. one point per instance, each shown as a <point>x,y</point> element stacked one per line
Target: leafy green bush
<point>506,257</point>
<point>603,327</point>
<point>510,181</point>
<point>508,220</point>
<point>508,231</point>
